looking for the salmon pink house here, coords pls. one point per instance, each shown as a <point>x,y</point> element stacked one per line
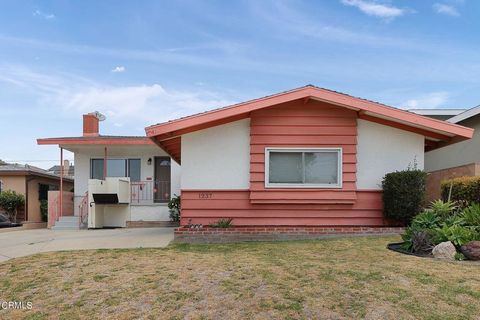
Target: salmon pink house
<point>306,157</point>
<point>305,161</point>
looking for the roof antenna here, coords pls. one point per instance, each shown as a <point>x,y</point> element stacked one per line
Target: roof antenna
<point>100,116</point>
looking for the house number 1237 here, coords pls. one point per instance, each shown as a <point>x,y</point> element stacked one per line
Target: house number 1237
<point>205,195</point>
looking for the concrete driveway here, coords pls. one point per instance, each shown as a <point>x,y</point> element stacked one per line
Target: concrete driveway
<point>15,244</point>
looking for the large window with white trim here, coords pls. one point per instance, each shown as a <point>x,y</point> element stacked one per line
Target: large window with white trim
<point>116,168</point>
<point>303,168</point>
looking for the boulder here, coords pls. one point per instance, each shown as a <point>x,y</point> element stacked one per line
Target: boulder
<point>471,250</point>
<point>444,250</point>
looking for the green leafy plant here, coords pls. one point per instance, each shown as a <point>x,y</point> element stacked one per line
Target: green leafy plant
<point>471,215</point>
<point>458,235</point>
<point>223,223</point>
<point>44,210</point>
<point>403,194</point>
<point>418,240</point>
<point>459,256</point>
<point>428,219</point>
<point>10,201</point>
<point>174,206</point>
<point>443,209</point>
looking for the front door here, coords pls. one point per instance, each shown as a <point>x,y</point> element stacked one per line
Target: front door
<point>161,192</point>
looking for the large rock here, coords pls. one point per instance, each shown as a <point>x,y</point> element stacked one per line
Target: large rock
<point>471,250</point>
<point>444,250</point>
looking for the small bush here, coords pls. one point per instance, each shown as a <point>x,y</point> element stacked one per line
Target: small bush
<point>223,223</point>
<point>44,210</point>
<point>174,206</point>
<point>10,201</point>
<point>459,256</point>
<point>403,194</point>
<point>463,190</point>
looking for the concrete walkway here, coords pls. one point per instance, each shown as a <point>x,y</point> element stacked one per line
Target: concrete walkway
<point>26,242</point>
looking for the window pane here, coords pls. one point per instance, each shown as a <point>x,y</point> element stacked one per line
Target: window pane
<point>97,169</point>
<point>321,167</point>
<point>285,167</point>
<point>116,168</point>
<point>134,169</point>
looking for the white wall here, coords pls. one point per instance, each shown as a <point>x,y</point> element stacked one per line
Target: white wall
<point>156,212</point>
<point>217,158</point>
<point>82,156</point>
<point>383,149</point>
<point>457,154</point>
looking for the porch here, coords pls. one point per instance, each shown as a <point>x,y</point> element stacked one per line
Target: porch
<point>147,206</point>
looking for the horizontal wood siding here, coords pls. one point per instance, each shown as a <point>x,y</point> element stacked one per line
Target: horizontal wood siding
<point>207,206</point>
<point>303,124</point>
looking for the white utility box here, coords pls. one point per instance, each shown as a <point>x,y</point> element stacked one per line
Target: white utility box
<point>109,202</point>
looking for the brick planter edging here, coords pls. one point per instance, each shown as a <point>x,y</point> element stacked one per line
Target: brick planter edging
<point>237,234</point>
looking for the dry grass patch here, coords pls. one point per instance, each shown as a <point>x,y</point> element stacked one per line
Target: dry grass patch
<point>328,279</point>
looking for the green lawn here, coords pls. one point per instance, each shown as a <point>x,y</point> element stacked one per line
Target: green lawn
<point>327,279</point>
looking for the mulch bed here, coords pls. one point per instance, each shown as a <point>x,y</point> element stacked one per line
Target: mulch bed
<point>397,247</point>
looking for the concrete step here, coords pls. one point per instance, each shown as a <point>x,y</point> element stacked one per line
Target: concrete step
<point>68,218</point>
<point>66,223</point>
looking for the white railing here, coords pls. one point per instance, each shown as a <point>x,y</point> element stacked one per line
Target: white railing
<point>149,191</point>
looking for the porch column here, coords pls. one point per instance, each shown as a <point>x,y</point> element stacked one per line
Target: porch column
<point>105,164</point>
<point>61,181</point>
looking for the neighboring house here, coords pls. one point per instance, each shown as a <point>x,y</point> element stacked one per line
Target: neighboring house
<point>153,177</point>
<point>68,170</point>
<point>306,157</point>
<point>456,160</point>
<point>34,183</point>
<point>440,114</point>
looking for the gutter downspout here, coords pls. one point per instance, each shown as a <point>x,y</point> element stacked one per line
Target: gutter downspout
<point>61,182</point>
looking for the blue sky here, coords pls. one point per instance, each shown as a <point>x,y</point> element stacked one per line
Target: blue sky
<point>143,62</point>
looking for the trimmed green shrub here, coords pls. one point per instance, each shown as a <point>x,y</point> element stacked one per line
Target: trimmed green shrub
<point>174,206</point>
<point>464,190</point>
<point>403,194</point>
<point>10,201</point>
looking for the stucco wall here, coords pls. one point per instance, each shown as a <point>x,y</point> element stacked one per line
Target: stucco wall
<point>156,212</point>
<point>33,202</point>
<point>382,149</point>
<point>217,158</point>
<point>14,183</point>
<point>457,154</point>
<point>82,158</point>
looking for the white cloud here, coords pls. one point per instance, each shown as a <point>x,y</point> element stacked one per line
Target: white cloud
<point>376,9</point>
<point>432,100</point>
<point>130,106</point>
<point>118,69</point>
<point>445,9</point>
<point>46,16</point>
<point>147,103</point>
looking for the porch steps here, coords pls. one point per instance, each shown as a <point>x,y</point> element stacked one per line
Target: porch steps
<point>66,223</point>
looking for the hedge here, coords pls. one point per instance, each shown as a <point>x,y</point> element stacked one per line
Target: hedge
<point>403,194</point>
<point>464,189</point>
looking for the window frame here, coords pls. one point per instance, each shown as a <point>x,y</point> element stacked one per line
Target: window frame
<point>127,166</point>
<point>269,184</point>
